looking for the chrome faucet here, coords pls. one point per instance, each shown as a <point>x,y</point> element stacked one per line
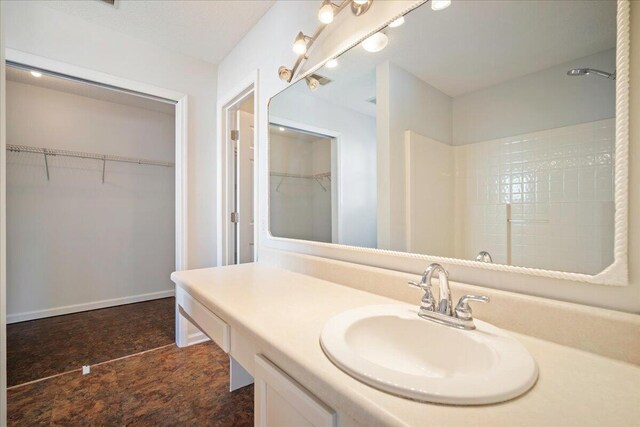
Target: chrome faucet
<point>444,305</point>
<point>460,317</point>
<point>484,256</point>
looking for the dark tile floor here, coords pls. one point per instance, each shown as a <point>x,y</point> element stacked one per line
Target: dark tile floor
<point>44,347</point>
<point>167,386</point>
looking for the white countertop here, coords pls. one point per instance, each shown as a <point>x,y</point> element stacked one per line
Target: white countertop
<point>287,311</point>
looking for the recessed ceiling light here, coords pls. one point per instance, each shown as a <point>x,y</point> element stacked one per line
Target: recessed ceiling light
<point>37,74</point>
<point>281,129</point>
<point>397,22</point>
<point>332,63</point>
<point>376,42</point>
<point>440,4</point>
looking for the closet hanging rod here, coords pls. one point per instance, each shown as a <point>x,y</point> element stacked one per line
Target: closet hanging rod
<point>83,155</point>
<point>296,175</point>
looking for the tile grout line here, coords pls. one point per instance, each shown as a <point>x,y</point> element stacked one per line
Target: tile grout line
<point>80,369</point>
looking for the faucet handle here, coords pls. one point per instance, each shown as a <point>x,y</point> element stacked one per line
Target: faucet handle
<point>421,285</point>
<point>428,302</point>
<point>463,311</point>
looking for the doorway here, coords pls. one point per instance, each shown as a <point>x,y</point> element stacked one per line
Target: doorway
<point>239,140</point>
<point>302,181</point>
<point>92,224</point>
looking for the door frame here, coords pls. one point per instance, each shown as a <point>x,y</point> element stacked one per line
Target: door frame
<point>337,227</point>
<point>181,100</point>
<point>245,88</point>
<point>181,158</point>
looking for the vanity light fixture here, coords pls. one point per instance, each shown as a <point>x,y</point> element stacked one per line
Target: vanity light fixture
<point>36,74</point>
<point>440,4</point>
<point>376,42</point>
<point>327,12</point>
<point>397,22</point>
<point>332,63</point>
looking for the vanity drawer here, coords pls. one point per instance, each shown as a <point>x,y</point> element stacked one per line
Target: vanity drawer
<point>281,401</point>
<point>213,326</point>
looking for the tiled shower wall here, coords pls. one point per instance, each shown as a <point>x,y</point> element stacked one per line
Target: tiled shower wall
<point>558,186</point>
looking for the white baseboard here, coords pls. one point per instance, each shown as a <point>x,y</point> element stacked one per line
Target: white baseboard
<point>68,309</point>
<point>197,338</point>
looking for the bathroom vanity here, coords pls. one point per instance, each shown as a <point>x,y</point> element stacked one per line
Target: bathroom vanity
<point>269,320</point>
<point>491,138</point>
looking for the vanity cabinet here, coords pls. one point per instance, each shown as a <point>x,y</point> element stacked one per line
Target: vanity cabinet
<point>213,326</point>
<point>281,401</point>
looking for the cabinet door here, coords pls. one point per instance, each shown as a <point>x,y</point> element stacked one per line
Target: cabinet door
<point>280,401</point>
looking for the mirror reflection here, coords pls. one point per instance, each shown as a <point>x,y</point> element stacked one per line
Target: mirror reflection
<point>483,131</point>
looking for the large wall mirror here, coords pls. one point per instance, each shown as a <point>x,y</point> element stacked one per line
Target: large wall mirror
<point>483,132</point>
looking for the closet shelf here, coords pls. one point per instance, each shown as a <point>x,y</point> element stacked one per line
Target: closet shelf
<point>46,152</point>
<point>318,177</point>
<point>83,155</point>
<point>295,175</point>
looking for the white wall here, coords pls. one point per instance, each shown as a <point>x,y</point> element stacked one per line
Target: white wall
<point>404,102</point>
<point>547,99</point>
<point>34,28</point>
<point>73,241</point>
<point>322,209</point>
<point>356,148</point>
<point>429,195</point>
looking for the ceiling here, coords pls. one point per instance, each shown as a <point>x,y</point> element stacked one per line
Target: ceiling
<point>207,30</point>
<point>475,44</point>
<point>87,90</point>
<point>298,135</point>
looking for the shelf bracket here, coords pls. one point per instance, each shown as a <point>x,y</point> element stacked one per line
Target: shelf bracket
<point>320,184</point>
<point>46,163</point>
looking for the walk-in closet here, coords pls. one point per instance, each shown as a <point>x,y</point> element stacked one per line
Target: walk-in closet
<point>90,223</point>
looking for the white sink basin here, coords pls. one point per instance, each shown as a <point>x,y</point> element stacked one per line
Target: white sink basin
<point>389,347</point>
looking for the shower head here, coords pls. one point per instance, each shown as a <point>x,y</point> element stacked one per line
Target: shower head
<point>577,72</point>
<point>584,71</point>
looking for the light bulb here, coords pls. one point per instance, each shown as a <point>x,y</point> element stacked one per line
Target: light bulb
<point>325,14</point>
<point>440,4</point>
<point>313,84</point>
<point>281,129</point>
<point>36,74</point>
<point>284,73</point>
<point>376,42</point>
<point>360,7</point>
<point>300,45</point>
<point>397,22</point>
<point>332,63</point>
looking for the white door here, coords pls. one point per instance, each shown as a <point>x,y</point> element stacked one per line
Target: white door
<point>244,188</point>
